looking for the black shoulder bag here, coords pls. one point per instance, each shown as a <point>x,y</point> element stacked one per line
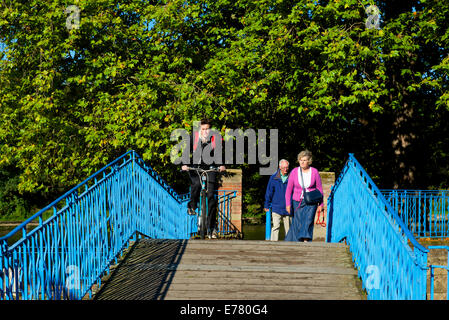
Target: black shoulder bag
<point>313,197</point>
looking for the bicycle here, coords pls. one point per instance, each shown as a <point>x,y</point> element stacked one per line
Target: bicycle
<point>203,197</point>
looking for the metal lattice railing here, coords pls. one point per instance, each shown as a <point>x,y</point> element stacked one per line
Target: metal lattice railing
<point>88,228</point>
<point>224,223</point>
<point>425,212</point>
<point>379,240</point>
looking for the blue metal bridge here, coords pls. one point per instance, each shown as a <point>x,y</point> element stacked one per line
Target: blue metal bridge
<point>83,232</point>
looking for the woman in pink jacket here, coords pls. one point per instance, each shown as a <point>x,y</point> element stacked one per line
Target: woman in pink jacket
<point>301,228</point>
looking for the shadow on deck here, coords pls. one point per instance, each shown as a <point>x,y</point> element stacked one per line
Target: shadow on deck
<point>145,272</point>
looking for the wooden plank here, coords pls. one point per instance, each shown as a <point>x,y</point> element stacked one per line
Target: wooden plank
<point>254,279</point>
<point>267,251</point>
<point>264,244</point>
<point>240,276</point>
<point>241,268</point>
<point>232,269</point>
<point>256,288</point>
<point>265,259</point>
<point>217,295</point>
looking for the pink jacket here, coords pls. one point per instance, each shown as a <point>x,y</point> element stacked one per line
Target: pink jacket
<point>294,187</point>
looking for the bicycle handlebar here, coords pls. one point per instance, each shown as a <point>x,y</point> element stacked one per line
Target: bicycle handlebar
<point>199,170</point>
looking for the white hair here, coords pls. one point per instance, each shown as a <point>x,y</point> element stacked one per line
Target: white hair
<point>283,160</point>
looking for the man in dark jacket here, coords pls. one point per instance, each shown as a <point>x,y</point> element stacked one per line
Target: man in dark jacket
<point>275,198</point>
<point>204,140</point>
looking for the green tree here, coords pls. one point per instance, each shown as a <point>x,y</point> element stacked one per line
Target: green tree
<point>71,100</point>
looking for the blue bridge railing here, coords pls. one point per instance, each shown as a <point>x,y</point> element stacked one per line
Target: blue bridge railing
<point>224,223</point>
<point>390,261</point>
<point>88,228</point>
<point>425,212</point>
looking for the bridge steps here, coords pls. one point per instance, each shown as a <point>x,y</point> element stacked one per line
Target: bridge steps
<point>233,269</point>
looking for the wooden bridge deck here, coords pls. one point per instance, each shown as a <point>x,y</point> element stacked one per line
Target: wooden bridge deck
<point>233,269</point>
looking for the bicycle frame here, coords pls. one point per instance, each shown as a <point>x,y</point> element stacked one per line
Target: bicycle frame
<point>203,175</point>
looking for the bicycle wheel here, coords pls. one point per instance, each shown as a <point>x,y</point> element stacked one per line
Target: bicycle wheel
<point>203,226</point>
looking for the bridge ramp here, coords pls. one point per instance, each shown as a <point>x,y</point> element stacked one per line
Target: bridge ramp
<point>233,270</point>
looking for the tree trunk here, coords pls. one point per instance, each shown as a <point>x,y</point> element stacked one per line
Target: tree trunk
<point>403,142</point>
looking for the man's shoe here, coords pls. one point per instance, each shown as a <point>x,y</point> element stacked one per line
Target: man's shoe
<point>212,236</point>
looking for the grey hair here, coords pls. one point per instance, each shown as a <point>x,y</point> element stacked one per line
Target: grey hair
<point>283,160</point>
<point>305,153</point>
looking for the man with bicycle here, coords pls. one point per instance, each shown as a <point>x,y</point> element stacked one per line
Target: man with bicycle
<point>203,140</point>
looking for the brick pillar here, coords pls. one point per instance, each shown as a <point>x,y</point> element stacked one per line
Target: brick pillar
<point>232,180</point>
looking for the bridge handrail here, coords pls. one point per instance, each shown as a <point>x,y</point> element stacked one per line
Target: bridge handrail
<point>224,223</point>
<point>399,229</point>
<point>425,212</point>
<point>139,160</point>
<point>35,265</point>
<point>99,217</point>
<point>112,165</point>
<point>388,207</point>
<point>415,191</point>
<point>53,204</point>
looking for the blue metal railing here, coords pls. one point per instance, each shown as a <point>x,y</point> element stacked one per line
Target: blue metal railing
<point>268,225</point>
<point>224,223</point>
<point>90,225</point>
<point>380,242</point>
<point>425,212</point>
<point>160,212</point>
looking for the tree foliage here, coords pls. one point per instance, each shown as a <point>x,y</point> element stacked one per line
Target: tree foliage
<point>73,100</point>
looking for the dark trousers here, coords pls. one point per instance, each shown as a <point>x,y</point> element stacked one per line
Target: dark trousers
<point>195,191</point>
